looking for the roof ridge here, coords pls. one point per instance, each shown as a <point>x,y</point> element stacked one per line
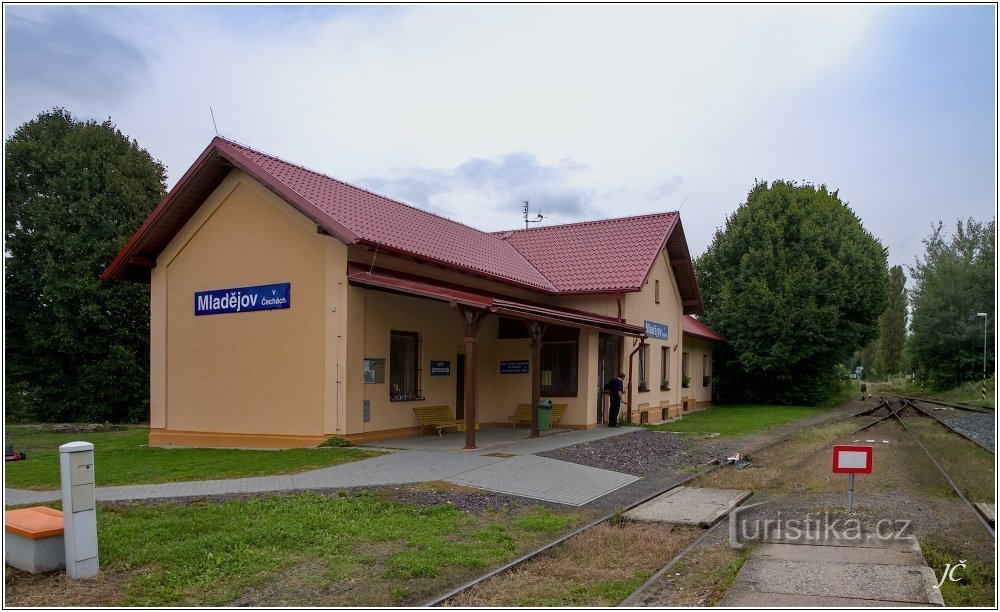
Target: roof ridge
<point>531,263</point>
<point>511,232</point>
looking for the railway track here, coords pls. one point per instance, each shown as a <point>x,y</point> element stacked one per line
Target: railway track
<point>915,404</point>
<point>707,468</point>
<point>890,412</point>
<point>885,405</point>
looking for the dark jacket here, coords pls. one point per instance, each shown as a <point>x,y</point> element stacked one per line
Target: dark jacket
<point>615,387</point>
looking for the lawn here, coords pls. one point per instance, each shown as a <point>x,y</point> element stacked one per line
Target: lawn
<point>308,549</point>
<point>737,419</point>
<point>122,458</point>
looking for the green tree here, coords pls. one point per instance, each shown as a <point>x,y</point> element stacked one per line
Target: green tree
<point>892,334</point>
<point>955,280</point>
<point>77,348</point>
<point>796,285</point>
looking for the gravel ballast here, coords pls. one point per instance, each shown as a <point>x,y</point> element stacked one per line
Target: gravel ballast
<point>641,452</point>
<point>979,427</point>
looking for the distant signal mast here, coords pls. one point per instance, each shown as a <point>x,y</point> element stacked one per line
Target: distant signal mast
<point>538,219</point>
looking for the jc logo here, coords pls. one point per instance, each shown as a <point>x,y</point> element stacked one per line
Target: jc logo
<point>949,572</point>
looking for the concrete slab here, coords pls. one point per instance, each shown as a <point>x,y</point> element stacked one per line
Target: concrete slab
<point>880,583</point>
<point>989,512</point>
<point>841,539</point>
<point>737,598</point>
<point>546,479</point>
<point>835,572</point>
<point>689,506</point>
<point>840,554</point>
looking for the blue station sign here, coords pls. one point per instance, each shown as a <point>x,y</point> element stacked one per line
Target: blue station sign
<point>656,330</point>
<point>243,299</point>
<point>514,367</point>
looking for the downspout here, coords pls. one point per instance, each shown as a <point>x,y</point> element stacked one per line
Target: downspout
<point>618,296</point>
<point>642,342</point>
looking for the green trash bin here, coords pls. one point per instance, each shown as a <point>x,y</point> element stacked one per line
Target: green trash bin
<point>544,414</point>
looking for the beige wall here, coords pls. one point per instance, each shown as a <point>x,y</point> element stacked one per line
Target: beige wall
<point>295,376</point>
<point>700,364</point>
<point>640,307</point>
<point>257,373</point>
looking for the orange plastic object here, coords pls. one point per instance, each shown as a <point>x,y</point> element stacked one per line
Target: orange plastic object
<point>34,523</point>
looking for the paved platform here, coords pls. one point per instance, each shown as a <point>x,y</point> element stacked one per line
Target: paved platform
<point>545,479</point>
<point>832,572</point>
<point>507,466</point>
<point>689,506</point>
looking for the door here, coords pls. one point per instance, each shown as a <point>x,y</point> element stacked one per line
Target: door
<point>609,360</point>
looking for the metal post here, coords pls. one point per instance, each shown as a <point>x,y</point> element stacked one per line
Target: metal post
<point>76,466</point>
<point>850,493</point>
<point>986,318</point>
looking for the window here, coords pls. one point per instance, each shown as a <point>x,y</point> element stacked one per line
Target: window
<point>559,367</point>
<point>657,292</point>
<point>643,367</point>
<point>404,368</point>
<point>665,369</point>
<point>685,380</point>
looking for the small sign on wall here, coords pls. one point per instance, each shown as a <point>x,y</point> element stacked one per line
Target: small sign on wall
<point>374,370</point>
<point>440,368</point>
<point>514,367</point>
<point>656,330</point>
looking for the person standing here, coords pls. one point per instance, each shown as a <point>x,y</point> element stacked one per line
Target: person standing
<point>615,387</point>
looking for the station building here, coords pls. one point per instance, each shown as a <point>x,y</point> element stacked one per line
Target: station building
<point>287,307</point>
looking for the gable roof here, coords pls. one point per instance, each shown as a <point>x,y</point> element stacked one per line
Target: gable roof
<point>592,257</point>
<point>694,327</point>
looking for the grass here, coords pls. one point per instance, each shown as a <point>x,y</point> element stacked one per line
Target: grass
<point>969,392</point>
<point>123,458</point>
<point>598,568</point>
<point>737,419</point>
<point>305,549</point>
<point>972,393</point>
<point>976,585</point>
<point>971,467</point>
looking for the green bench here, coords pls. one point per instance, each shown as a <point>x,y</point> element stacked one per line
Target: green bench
<point>523,414</point>
<point>438,417</point>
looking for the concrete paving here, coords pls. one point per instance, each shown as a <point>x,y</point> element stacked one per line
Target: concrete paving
<point>504,463</point>
<point>689,506</point>
<point>832,572</point>
<point>545,479</point>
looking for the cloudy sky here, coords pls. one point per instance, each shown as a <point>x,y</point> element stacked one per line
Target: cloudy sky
<point>586,111</point>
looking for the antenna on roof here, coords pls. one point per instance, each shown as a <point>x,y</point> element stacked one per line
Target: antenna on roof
<point>526,220</point>
<point>682,202</point>
<point>213,120</point>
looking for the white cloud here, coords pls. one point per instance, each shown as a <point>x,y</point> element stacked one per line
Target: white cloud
<point>654,104</point>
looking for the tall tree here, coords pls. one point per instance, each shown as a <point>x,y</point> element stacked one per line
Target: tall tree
<point>892,335</point>
<point>77,348</point>
<point>796,285</point>
<point>955,280</point>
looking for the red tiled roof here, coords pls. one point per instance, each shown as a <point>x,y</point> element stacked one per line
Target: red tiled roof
<point>694,327</point>
<point>594,256</point>
<point>590,257</point>
<point>399,282</point>
<point>385,222</point>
